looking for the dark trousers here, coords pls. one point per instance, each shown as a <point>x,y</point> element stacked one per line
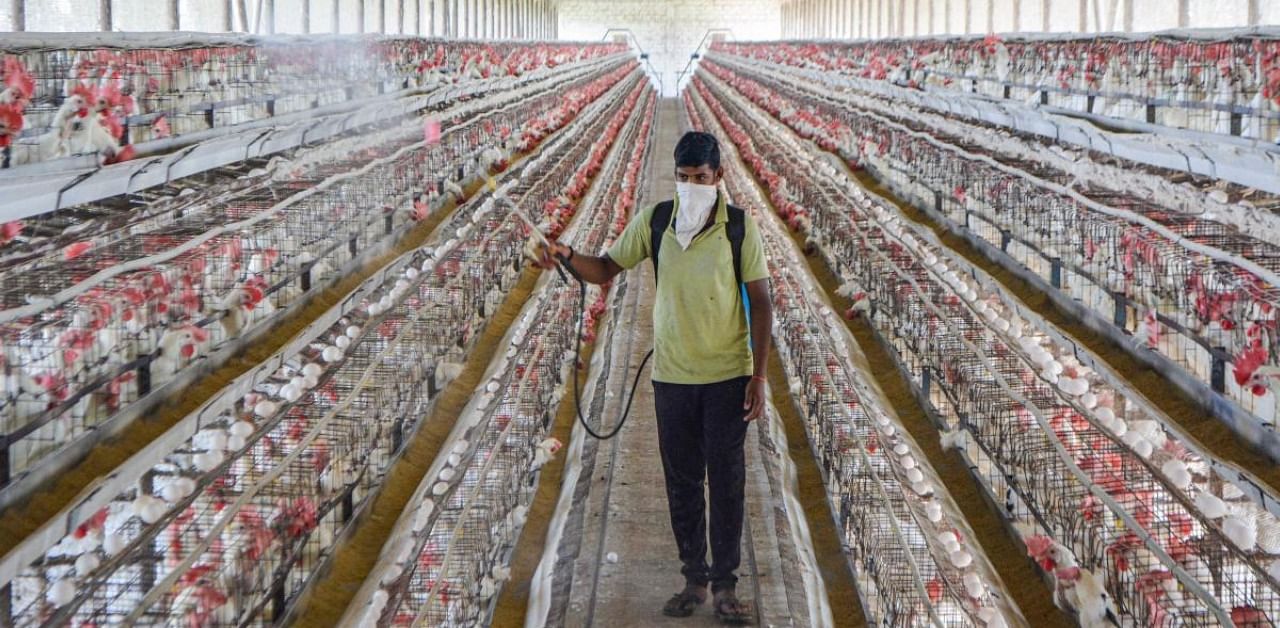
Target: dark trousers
<point>700,434</point>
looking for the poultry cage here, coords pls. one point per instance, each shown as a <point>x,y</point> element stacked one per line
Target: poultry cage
<point>446,559</point>
<point>1088,472</point>
<point>1196,289</point>
<point>277,464</point>
<point>598,397</point>
<point>134,303</point>
<point>908,544</point>
<point>1218,82</point>
<point>119,90</point>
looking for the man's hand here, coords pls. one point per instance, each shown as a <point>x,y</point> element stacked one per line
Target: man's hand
<point>754,403</point>
<point>545,256</point>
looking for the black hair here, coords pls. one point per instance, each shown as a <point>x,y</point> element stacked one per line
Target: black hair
<point>698,149</point>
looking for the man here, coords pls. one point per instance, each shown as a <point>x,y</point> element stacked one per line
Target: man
<point>708,382</point>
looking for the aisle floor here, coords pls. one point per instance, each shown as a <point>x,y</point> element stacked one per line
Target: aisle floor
<point>626,505</point>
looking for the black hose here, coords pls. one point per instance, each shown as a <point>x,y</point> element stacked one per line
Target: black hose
<point>577,359</point>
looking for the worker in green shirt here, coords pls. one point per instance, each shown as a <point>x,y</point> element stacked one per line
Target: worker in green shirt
<point>709,359</point>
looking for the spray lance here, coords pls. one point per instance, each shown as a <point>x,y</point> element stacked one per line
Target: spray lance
<point>562,265</point>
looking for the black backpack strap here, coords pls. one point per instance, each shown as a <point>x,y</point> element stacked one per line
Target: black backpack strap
<point>737,232</point>
<point>658,223</point>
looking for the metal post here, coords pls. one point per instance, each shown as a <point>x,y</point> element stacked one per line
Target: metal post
<point>18,8</point>
<point>270,11</point>
<point>173,15</point>
<point>1218,371</point>
<point>337,15</point>
<point>306,17</point>
<point>104,16</point>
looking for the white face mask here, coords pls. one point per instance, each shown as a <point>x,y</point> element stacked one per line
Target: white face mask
<point>696,203</point>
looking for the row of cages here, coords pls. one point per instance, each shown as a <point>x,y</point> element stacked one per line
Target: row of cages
<point>908,543</point>
<point>233,524</point>
<point>448,557</point>
<point>67,96</point>
<point>1124,513</point>
<point>1220,82</point>
<point>1199,293</point>
<point>152,299</point>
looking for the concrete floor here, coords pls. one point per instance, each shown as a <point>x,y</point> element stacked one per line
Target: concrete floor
<point>620,504</point>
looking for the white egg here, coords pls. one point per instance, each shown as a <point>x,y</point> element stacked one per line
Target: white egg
<point>86,563</point>
<point>207,461</point>
<point>1210,505</point>
<point>1177,473</point>
<point>243,429</point>
<point>211,439</point>
<point>353,331</point>
<point>1242,530</point>
<point>113,543</point>
<point>235,443</point>
<point>312,370</point>
<point>265,409</point>
<point>961,559</point>
<point>290,392</point>
<point>342,342</point>
<point>62,592</point>
<point>933,510</point>
<point>973,585</point>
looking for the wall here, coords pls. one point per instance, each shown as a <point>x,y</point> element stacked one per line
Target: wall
<point>669,30</point>
<point>893,18</point>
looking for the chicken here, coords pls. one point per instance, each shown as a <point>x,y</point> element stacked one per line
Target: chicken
<point>176,346</point>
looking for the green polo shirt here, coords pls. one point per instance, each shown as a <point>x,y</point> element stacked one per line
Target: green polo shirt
<point>699,327</point>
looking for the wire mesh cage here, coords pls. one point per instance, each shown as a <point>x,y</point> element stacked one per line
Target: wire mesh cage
<point>450,563</point>
<point>1198,291</point>
<point>1091,475</point>
<point>1220,82</point>
<point>154,297</point>
<point>906,540</point>
<point>228,528</point>
<point>105,96</point>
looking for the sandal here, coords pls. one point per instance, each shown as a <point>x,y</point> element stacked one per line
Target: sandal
<point>683,603</point>
<point>729,610</point>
